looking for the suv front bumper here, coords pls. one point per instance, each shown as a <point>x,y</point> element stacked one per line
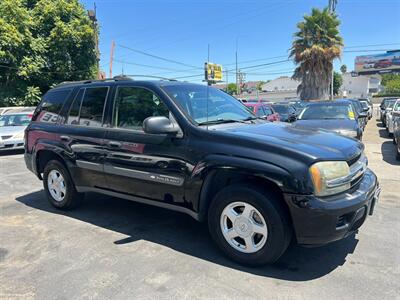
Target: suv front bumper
<point>319,221</point>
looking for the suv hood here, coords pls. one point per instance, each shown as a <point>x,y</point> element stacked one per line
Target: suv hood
<point>332,124</point>
<point>287,139</point>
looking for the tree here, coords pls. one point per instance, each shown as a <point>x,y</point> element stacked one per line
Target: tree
<point>337,82</point>
<point>259,85</point>
<point>43,43</point>
<point>343,69</point>
<point>391,82</point>
<point>231,88</point>
<point>315,46</point>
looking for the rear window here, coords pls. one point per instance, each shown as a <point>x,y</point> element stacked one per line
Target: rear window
<point>50,107</point>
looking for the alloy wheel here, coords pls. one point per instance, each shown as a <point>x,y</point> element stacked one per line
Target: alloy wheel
<point>243,227</point>
<point>56,185</point>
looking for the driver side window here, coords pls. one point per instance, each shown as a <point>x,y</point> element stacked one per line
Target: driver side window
<point>133,105</point>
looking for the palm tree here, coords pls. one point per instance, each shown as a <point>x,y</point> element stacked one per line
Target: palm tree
<point>315,46</point>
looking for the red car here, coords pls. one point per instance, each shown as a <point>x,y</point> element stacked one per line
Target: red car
<point>263,110</point>
<point>383,63</point>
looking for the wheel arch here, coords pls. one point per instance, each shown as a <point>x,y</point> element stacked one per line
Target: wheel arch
<point>218,177</point>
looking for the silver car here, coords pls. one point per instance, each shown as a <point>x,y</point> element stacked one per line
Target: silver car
<point>390,116</point>
<point>12,128</point>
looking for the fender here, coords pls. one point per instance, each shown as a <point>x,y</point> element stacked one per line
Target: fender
<point>49,145</point>
<point>204,173</point>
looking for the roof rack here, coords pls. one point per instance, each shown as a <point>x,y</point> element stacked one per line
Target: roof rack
<point>115,78</point>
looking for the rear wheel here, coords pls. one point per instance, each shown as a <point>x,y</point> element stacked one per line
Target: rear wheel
<point>248,226</point>
<point>60,190</point>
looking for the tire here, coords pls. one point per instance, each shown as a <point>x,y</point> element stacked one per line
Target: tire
<point>68,196</point>
<point>274,217</point>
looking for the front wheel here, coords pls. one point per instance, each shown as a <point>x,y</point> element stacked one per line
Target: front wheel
<point>249,225</point>
<point>60,189</point>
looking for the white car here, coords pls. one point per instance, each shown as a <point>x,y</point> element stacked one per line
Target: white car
<point>12,129</point>
<point>390,116</point>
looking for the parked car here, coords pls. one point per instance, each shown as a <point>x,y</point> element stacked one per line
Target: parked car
<point>3,110</point>
<point>382,107</point>
<point>368,103</point>
<point>287,113</point>
<point>263,110</point>
<point>12,128</point>
<point>392,112</point>
<point>197,150</point>
<point>337,116</point>
<point>388,108</point>
<point>396,130</point>
<point>383,63</point>
<point>360,112</point>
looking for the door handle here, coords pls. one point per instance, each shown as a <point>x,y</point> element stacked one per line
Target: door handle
<point>114,144</point>
<point>65,138</point>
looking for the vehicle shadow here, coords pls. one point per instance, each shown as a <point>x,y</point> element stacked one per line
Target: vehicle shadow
<point>182,233</point>
<point>388,150</point>
<point>383,133</point>
<point>11,152</point>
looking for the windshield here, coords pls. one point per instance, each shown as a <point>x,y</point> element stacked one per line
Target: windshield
<point>364,104</point>
<point>208,105</point>
<point>281,109</point>
<point>313,112</point>
<point>15,120</point>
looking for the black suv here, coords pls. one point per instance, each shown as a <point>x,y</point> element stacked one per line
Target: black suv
<point>197,150</point>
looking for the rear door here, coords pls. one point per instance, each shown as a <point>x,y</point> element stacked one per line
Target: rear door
<point>138,163</point>
<point>82,133</point>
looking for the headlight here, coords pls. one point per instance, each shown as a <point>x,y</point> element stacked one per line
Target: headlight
<point>20,135</point>
<point>349,133</point>
<point>330,177</point>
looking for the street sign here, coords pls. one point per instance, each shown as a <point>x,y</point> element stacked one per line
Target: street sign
<point>213,72</point>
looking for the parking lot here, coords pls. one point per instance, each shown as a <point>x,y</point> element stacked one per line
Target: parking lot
<point>112,248</point>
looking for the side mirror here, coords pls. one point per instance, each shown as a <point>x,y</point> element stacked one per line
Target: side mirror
<point>366,109</point>
<point>159,125</point>
<point>361,116</point>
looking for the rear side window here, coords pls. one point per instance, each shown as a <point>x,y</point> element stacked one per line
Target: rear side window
<point>87,107</point>
<point>51,105</point>
<point>91,113</point>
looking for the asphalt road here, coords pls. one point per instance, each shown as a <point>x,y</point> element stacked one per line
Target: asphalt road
<point>116,249</point>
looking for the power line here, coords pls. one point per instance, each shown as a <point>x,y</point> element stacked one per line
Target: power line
<point>149,66</point>
<point>158,57</point>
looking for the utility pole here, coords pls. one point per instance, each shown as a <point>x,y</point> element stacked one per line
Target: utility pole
<point>236,54</point>
<point>332,7</point>
<point>112,57</point>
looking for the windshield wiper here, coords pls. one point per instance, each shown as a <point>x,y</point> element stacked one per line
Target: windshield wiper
<point>223,121</point>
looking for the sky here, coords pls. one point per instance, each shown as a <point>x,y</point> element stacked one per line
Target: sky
<point>182,31</point>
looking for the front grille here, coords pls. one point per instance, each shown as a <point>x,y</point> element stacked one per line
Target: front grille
<point>358,167</point>
<point>6,137</point>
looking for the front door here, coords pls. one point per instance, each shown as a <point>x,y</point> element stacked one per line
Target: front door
<point>140,164</point>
